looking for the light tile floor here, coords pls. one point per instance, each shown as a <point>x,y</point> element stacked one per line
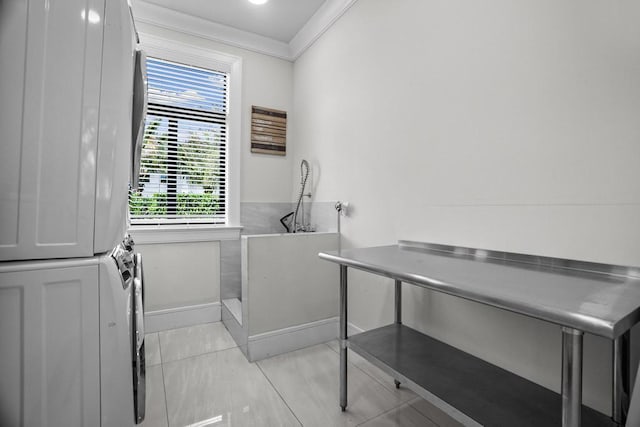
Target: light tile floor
<point>198,377</point>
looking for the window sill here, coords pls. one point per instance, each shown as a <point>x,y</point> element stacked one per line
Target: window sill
<point>153,234</point>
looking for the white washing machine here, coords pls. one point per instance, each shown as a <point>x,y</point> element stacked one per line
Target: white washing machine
<point>72,333</point>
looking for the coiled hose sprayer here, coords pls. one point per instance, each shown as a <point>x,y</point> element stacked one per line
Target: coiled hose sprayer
<point>304,175</point>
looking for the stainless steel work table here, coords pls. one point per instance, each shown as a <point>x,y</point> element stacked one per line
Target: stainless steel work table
<point>580,297</point>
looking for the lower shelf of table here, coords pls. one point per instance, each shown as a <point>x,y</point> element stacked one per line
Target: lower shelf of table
<point>463,385</point>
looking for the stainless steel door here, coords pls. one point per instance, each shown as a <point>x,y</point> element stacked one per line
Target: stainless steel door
<point>139,384</point>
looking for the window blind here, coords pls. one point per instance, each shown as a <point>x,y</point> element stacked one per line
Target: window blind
<point>183,162</point>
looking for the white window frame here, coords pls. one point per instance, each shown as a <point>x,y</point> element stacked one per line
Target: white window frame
<point>188,54</point>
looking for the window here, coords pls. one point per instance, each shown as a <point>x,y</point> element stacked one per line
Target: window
<point>183,169</point>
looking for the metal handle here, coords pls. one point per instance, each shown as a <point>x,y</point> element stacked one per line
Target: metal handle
<point>139,369</point>
<point>138,302</point>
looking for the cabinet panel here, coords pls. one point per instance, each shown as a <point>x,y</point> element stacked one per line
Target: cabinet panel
<point>11,309</point>
<point>13,42</point>
<point>52,100</point>
<point>49,319</point>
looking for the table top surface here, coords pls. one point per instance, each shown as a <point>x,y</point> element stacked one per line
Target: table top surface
<point>595,298</point>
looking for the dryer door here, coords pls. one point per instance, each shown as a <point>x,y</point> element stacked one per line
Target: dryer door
<point>139,384</point>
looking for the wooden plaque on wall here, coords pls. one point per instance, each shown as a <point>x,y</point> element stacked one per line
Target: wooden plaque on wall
<point>268,131</point>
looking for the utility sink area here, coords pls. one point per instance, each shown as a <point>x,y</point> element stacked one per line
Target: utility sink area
<point>289,298</point>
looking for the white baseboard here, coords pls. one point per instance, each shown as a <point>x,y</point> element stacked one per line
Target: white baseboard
<point>284,340</point>
<point>180,317</point>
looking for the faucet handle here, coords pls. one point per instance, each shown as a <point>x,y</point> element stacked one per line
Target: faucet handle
<point>342,208</point>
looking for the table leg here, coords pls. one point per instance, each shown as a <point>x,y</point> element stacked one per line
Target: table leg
<point>343,337</point>
<point>398,301</point>
<point>571,377</point>
<point>398,313</point>
<point>621,378</point>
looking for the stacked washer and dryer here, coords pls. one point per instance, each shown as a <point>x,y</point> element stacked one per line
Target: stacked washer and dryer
<point>72,99</point>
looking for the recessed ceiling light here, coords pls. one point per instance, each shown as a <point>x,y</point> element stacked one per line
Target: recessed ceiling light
<point>258,1</point>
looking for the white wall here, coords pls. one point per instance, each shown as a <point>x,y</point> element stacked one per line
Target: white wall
<point>498,124</point>
<point>267,82</point>
<point>180,274</point>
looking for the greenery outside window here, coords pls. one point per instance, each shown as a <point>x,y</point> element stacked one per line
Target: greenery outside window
<point>183,171</point>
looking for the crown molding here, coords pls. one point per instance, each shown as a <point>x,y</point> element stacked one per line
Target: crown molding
<point>320,22</point>
<point>163,17</point>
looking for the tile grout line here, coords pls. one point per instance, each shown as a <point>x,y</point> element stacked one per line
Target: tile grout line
<point>162,365</point>
<point>164,387</point>
<point>421,413</point>
<point>235,345</point>
<point>377,380</point>
<point>384,387</point>
<point>384,413</point>
<point>200,355</point>
<point>278,393</point>
<point>407,402</point>
<point>398,407</point>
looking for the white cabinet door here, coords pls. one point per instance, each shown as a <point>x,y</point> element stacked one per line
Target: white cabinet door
<point>49,351</point>
<point>49,106</point>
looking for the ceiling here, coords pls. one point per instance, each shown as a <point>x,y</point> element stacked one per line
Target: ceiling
<point>277,19</point>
